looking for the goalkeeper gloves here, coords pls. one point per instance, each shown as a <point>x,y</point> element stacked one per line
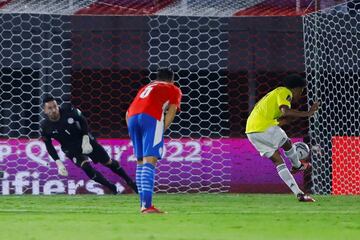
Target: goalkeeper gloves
<point>61,168</point>
<point>86,146</point>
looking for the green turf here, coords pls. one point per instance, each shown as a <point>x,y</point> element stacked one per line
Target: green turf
<point>191,216</point>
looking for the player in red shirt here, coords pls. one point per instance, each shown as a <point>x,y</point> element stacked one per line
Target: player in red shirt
<point>149,115</point>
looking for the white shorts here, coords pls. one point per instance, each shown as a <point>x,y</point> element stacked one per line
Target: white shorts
<point>269,141</point>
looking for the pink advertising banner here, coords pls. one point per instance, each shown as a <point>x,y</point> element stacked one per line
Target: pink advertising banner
<point>188,165</point>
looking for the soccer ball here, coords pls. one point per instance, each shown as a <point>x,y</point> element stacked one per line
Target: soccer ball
<point>302,150</point>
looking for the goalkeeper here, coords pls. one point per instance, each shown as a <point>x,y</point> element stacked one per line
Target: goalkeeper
<point>69,127</point>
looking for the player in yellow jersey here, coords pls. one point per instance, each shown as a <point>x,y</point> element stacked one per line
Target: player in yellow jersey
<point>264,132</point>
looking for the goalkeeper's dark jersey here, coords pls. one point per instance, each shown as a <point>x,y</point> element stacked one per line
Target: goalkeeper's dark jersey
<point>68,131</point>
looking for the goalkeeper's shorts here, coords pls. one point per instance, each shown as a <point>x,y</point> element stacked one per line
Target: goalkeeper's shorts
<point>98,155</point>
<point>147,136</point>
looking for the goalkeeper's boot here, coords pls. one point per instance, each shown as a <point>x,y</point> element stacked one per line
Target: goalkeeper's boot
<point>305,165</point>
<point>305,198</point>
<point>133,186</point>
<point>118,189</point>
<point>151,209</point>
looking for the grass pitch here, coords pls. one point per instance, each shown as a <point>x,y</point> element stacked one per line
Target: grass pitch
<point>190,216</point>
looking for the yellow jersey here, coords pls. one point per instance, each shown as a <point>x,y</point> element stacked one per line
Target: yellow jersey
<point>267,111</point>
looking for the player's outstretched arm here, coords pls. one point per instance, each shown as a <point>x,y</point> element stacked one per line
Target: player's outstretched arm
<point>51,150</point>
<point>170,115</point>
<point>287,112</point>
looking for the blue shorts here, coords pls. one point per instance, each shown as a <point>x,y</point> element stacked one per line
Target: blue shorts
<point>147,136</point>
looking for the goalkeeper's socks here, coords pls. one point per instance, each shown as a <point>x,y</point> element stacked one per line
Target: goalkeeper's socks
<point>139,168</point>
<point>98,177</point>
<point>294,158</point>
<point>285,175</point>
<point>116,168</point>
<point>102,180</point>
<point>147,184</point>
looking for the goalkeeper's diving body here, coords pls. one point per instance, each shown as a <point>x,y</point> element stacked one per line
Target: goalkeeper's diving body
<point>263,131</point>
<point>69,127</point>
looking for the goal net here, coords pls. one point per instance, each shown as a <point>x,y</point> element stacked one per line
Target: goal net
<point>98,68</point>
<point>223,64</point>
<point>332,67</point>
